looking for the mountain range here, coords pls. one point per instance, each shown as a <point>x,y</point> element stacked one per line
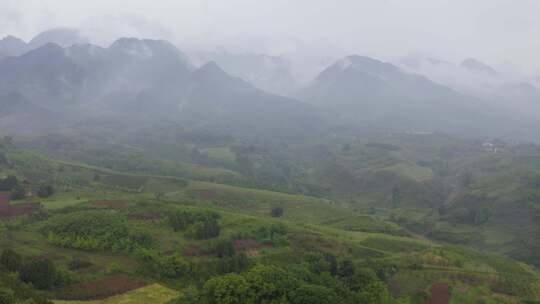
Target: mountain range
<point>65,37</point>
<point>140,80</point>
<point>370,93</point>
<point>134,80</point>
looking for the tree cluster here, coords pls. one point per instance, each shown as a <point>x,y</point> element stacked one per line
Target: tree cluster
<point>321,278</point>
<point>197,225</point>
<point>8,183</point>
<point>95,230</point>
<point>277,212</point>
<point>42,273</point>
<point>45,191</point>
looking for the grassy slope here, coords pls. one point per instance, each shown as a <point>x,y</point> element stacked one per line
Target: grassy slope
<point>154,293</point>
<point>314,223</point>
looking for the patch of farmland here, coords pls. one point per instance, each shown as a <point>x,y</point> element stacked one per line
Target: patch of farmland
<point>154,293</point>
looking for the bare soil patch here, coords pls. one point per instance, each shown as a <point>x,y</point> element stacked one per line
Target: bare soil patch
<point>250,246</point>
<point>440,294</point>
<point>4,198</point>
<point>205,194</point>
<point>19,209</point>
<point>194,251</point>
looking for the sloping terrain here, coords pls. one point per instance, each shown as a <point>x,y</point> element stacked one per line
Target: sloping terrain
<point>135,82</point>
<point>374,94</point>
<point>409,265</point>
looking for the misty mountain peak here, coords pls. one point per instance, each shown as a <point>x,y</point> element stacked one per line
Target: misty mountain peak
<point>145,48</point>
<point>47,51</point>
<point>269,73</point>
<point>90,49</point>
<point>358,69</point>
<point>134,47</point>
<point>365,64</point>
<point>62,36</point>
<point>9,39</point>
<point>211,67</point>
<point>211,72</point>
<point>478,66</point>
<point>160,54</point>
<point>12,46</point>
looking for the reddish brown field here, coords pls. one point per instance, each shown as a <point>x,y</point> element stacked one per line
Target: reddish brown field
<point>19,209</point>
<point>205,194</point>
<point>250,246</point>
<point>102,288</point>
<point>194,251</point>
<point>244,244</point>
<point>4,198</point>
<point>112,204</point>
<point>440,294</point>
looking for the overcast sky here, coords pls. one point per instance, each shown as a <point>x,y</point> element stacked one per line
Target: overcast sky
<point>496,31</point>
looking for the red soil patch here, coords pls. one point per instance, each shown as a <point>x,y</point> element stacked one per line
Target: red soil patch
<point>19,209</point>
<point>194,251</point>
<point>113,204</point>
<point>440,294</point>
<point>4,198</point>
<point>395,288</point>
<point>102,288</point>
<point>205,194</point>
<point>250,246</point>
<point>243,244</point>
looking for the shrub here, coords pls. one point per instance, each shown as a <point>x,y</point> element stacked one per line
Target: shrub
<point>11,260</point>
<point>174,266</point>
<point>277,212</point>
<point>95,230</point>
<point>40,273</point>
<point>224,248</point>
<point>375,292</point>
<point>189,295</point>
<point>8,183</point>
<point>77,264</point>
<point>235,263</point>
<point>271,234</point>
<point>45,191</point>
<point>313,294</point>
<point>270,284</point>
<point>113,268</point>
<point>203,230</point>
<point>228,289</point>
<point>7,296</point>
<point>3,159</point>
<point>317,263</point>
<point>18,192</point>
<point>181,220</point>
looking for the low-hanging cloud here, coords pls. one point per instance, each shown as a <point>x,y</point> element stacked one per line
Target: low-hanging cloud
<point>494,31</point>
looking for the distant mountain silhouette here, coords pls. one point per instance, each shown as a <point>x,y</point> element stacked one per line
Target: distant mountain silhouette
<point>367,92</point>
<point>149,80</point>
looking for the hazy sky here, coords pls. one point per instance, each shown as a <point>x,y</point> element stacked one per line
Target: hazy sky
<point>496,31</point>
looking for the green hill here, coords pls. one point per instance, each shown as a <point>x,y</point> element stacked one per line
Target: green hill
<point>163,230</point>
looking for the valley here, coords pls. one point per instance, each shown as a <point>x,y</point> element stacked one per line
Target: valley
<point>133,173</point>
